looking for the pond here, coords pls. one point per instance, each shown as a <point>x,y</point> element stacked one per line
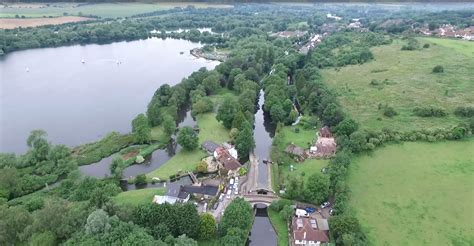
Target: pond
<point>77,103</point>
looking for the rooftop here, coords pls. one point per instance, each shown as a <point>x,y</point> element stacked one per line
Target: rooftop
<point>309,229</point>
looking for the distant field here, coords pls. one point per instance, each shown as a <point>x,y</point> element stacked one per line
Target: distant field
<point>416,193</point>
<point>11,23</point>
<point>410,83</point>
<point>104,10</point>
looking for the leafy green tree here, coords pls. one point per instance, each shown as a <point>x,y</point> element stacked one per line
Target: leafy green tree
<point>317,188</point>
<point>211,83</point>
<point>202,105</point>
<point>287,212</point>
<point>332,115</point>
<point>39,146</point>
<point>44,238</point>
<point>345,224</point>
<point>226,112</point>
<point>97,222</point>
<point>294,187</point>
<point>169,125</point>
<point>277,113</point>
<point>239,215</point>
<point>244,143</point>
<point>183,240</point>
<point>188,138</point>
<point>141,129</point>
<point>235,237</point>
<point>438,69</point>
<point>207,226</point>
<point>13,221</point>
<point>239,119</point>
<point>140,179</point>
<point>346,127</point>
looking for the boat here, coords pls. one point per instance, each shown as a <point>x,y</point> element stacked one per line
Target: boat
<point>27,69</point>
<point>182,52</point>
<point>83,61</point>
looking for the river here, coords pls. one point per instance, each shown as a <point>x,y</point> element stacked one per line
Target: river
<point>263,134</point>
<point>77,103</point>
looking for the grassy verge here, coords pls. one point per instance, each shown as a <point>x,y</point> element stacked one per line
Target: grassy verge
<point>404,80</point>
<point>138,197</point>
<point>415,193</point>
<point>209,129</point>
<point>281,227</point>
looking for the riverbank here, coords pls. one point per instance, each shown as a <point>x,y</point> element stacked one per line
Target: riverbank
<point>215,55</point>
<point>280,226</point>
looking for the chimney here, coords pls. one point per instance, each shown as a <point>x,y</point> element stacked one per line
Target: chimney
<point>304,236</point>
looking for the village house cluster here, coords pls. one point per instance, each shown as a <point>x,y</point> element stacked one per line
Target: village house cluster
<point>450,31</point>
<point>325,146</point>
<point>309,226</point>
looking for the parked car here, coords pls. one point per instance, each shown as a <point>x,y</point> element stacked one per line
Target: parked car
<point>236,191</point>
<point>236,179</point>
<point>301,213</point>
<point>231,182</point>
<point>331,211</point>
<point>310,210</point>
<point>204,208</point>
<point>221,197</point>
<point>215,206</point>
<point>229,192</point>
<point>325,205</point>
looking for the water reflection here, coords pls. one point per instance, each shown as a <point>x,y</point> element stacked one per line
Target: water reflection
<point>262,233</point>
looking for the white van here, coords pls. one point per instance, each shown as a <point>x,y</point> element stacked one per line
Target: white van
<point>301,213</point>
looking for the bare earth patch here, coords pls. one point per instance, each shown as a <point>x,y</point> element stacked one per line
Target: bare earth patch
<point>11,23</point>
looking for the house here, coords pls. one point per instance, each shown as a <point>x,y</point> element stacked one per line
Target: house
<point>174,194</point>
<point>296,152</point>
<point>206,191</point>
<point>209,146</point>
<point>226,160</point>
<point>325,132</point>
<point>307,231</point>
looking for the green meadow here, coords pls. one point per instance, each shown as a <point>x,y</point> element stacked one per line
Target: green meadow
<point>138,197</point>
<point>415,193</point>
<point>404,80</point>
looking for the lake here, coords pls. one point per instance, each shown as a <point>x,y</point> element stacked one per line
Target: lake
<point>77,103</point>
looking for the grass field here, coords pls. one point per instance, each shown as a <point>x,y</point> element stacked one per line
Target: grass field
<point>11,23</point>
<point>280,226</point>
<point>209,129</point>
<point>416,193</point>
<point>104,10</point>
<point>138,197</point>
<point>411,83</point>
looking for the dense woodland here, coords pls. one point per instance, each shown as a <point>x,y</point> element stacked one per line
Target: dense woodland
<point>79,211</point>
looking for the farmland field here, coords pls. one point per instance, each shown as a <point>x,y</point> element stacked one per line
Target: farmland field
<point>10,23</point>
<point>404,80</point>
<point>416,193</point>
<point>104,10</point>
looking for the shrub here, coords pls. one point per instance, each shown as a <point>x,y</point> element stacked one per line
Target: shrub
<point>429,111</point>
<point>426,46</point>
<point>438,69</point>
<point>389,112</point>
<point>140,179</point>
<point>464,111</point>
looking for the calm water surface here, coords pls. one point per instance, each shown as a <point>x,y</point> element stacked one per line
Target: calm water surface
<point>262,233</point>
<point>78,103</point>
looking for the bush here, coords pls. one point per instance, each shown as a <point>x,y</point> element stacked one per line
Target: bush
<point>438,69</point>
<point>464,111</point>
<point>426,46</point>
<point>389,112</point>
<point>140,179</point>
<point>429,111</point>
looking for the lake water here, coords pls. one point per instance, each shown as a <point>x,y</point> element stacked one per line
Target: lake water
<point>77,103</point>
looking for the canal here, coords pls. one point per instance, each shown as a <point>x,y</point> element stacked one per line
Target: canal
<point>77,103</point>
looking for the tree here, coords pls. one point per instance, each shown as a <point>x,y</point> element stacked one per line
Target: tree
<point>346,127</point>
<point>183,240</point>
<point>287,212</point>
<point>13,221</point>
<point>188,138</point>
<point>226,112</point>
<point>97,222</point>
<point>44,238</point>
<point>238,120</point>
<point>201,167</point>
<point>345,224</point>
<point>207,226</point>
<point>235,237</point>
<point>244,143</point>
<point>169,125</point>
<point>141,129</point>
<point>202,105</point>
<point>238,214</point>
<point>39,146</point>
<point>211,82</point>
<point>332,115</point>
<point>317,188</point>
<point>277,113</point>
<point>140,179</point>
